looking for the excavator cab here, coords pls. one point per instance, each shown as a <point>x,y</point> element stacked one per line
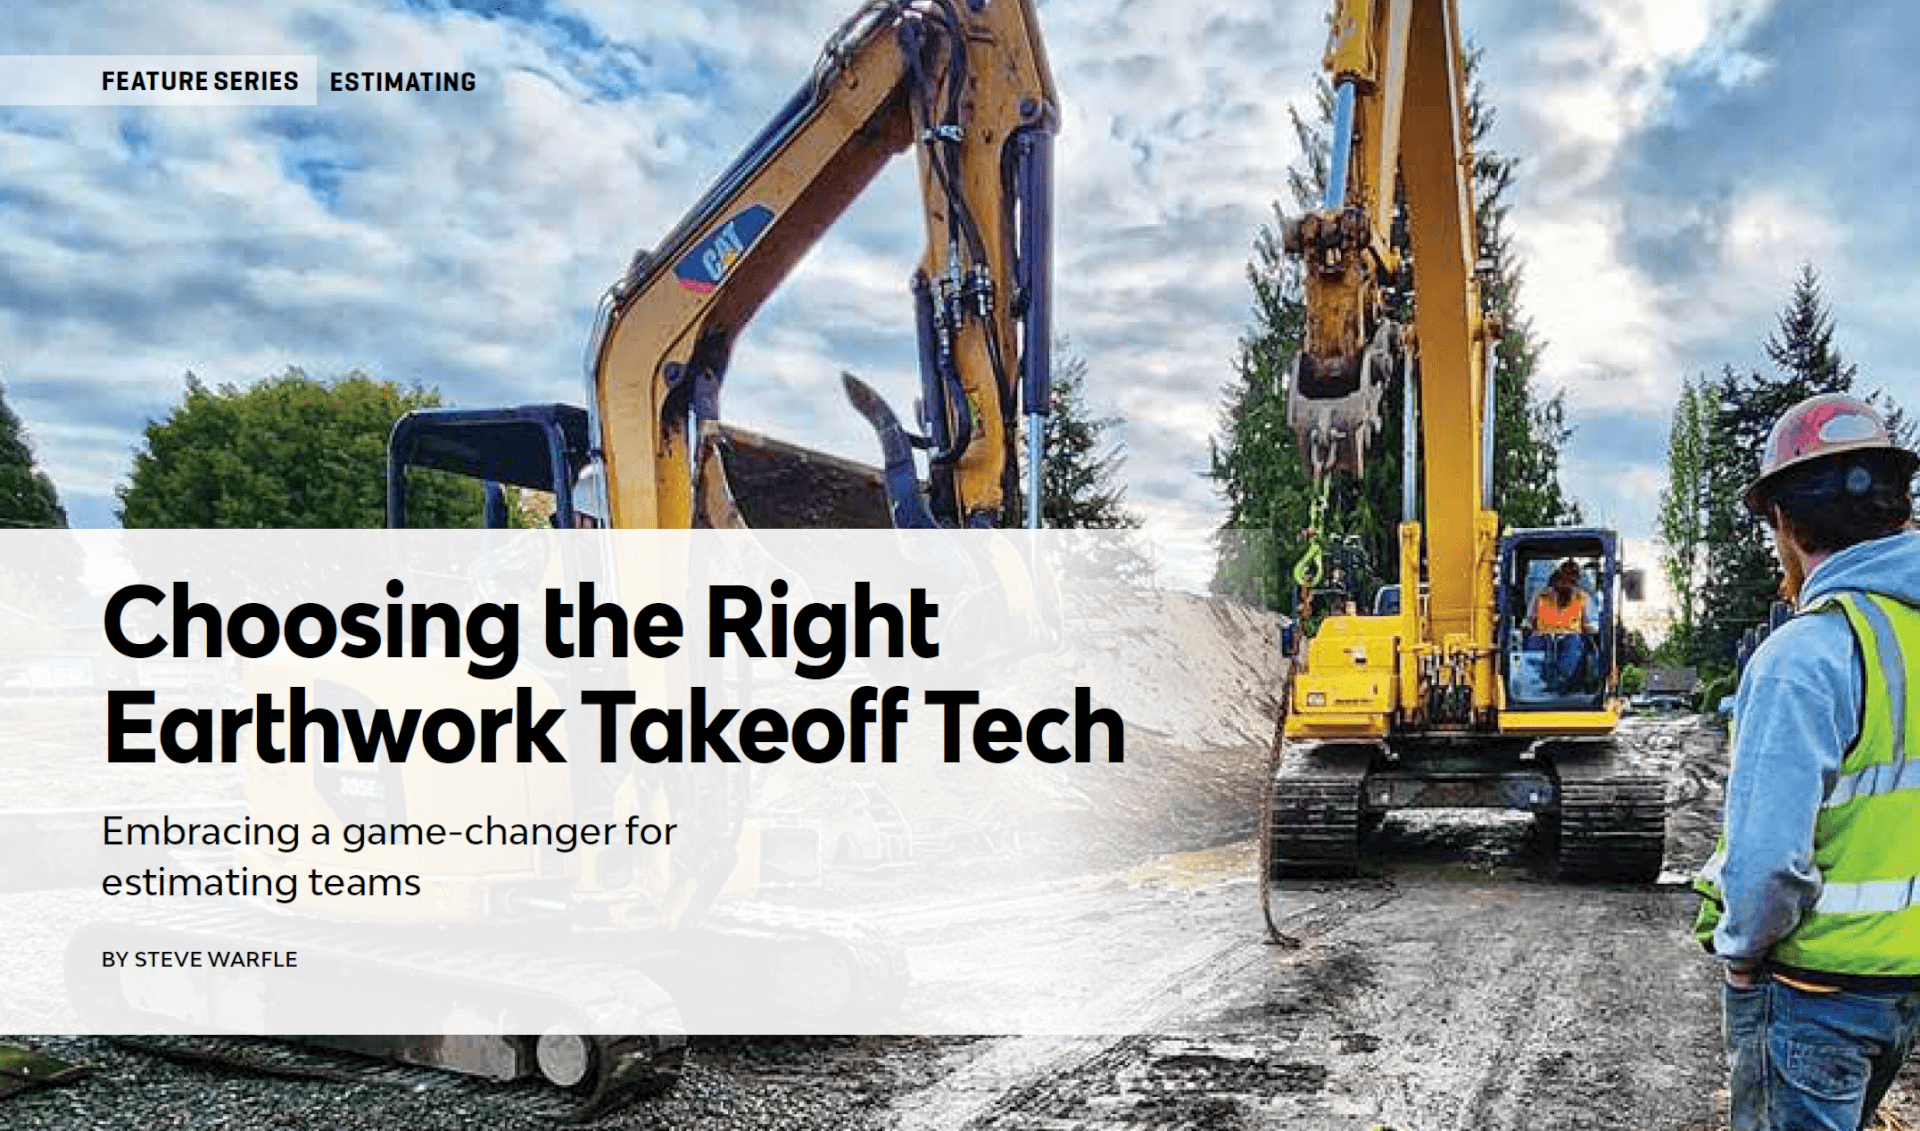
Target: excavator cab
<point>1558,643</point>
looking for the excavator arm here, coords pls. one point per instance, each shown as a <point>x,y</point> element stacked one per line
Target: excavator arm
<point>1399,123</point>
<point>966,85</point>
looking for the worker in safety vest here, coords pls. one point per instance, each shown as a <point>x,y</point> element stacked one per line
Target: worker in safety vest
<point>1812,899</point>
<point>1560,614</point>
<point>1562,606</point>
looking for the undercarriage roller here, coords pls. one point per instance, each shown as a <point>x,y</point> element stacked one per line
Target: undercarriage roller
<point>612,1071</point>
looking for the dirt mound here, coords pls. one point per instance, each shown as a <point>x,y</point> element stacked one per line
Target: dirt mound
<point>1198,681</point>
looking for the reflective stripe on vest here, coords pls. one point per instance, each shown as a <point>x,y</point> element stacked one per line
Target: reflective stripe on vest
<point>1871,896</point>
<point>1866,840</point>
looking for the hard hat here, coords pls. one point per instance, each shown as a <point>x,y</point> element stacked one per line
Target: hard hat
<point>1830,424</point>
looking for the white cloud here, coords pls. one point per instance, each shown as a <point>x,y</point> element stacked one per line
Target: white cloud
<point>1606,325</point>
<point>1771,225</point>
<point>1574,92</point>
<point>463,239</point>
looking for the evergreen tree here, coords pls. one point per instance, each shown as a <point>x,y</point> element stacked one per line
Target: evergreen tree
<point>1682,516</point>
<point>289,452</point>
<point>1801,345</point>
<point>1742,577</point>
<point>1080,486</point>
<point>1253,460</point>
<point>27,497</point>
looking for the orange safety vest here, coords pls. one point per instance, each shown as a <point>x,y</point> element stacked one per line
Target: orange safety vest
<point>1548,616</point>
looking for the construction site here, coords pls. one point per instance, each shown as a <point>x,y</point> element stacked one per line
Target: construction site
<point>1404,825</point>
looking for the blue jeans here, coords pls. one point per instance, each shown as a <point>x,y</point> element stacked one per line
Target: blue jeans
<point>1565,653</point>
<point>1800,1061</point>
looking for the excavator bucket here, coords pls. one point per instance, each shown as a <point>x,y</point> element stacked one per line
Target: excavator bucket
<point>1334,420</point>
<point>747,480</point>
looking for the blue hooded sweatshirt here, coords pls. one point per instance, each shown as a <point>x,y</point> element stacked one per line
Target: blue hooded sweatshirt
<point>1795,715</point>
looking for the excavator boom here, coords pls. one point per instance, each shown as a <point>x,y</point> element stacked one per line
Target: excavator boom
<point>968,87</point>
<point>1400,124</point>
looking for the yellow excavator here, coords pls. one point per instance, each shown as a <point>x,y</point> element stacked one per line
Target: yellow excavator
<point>966,85</point>
<point>1488,676</point>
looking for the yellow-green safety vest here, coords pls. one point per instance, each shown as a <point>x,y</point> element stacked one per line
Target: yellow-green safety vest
<point>1866,839</point>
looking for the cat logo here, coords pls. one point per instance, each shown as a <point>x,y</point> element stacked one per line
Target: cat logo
<point>703,267</point>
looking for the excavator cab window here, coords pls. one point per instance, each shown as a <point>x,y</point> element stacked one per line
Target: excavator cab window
<point>540,447</point>
<point>1558,610</point>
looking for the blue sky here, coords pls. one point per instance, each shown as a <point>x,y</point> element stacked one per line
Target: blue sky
<point>1680,160</point>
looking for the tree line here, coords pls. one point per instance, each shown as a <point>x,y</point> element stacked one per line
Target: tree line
<point>294,451</point>
<point>1717,558</point>
<point>27,496</point>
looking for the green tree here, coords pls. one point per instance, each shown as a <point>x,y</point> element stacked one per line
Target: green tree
<point>1682,515</point>
<point>286,452</point>
<point>1081,484</point>
<point>27,497</point>
<point>1253,462</point>
<point>1080,487</point>
<point>1742,578</point>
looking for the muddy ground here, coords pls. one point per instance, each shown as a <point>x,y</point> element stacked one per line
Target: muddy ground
<point>1454,986</point>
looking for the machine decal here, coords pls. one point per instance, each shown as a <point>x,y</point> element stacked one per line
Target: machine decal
<point>701,269</point>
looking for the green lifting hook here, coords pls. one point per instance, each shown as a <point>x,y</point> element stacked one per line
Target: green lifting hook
<point>1308,571</point>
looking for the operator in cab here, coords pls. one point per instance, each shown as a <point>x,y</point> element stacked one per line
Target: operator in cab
<point>1560,615</point>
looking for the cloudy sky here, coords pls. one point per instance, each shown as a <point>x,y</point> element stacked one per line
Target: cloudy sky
<point>1680,160</point>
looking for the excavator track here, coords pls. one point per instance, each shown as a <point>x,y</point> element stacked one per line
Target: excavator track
<point>536,992</point>
<point>818,973</point>
<point>1313,810</point>
<point>1612,821</point>
<point>319,1059</point>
